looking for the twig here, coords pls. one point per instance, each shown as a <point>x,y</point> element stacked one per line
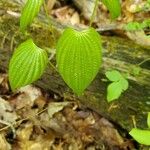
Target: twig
<point>52,66</point>
<point>94,12</point>
<point>148,59</point>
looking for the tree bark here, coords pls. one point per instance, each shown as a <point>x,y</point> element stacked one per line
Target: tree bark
<point>120,54</point>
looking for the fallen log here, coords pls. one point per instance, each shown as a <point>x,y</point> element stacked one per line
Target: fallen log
<point>120,54</point>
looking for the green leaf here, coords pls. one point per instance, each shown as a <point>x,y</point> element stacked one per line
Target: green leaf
<point>119,85</point>
<point>114,7</point>
<point>113,91</point>
<point>113,75</point>
<point>136,70</point>
<point>27,64</point>
<point>141,136</point>
<point>30,10</point>
<point>148,120</point>
<point>124,84</point>
<point>133,26</point>
<point>78,55</point>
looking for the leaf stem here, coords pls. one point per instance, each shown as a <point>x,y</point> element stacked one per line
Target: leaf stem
<point>52,66</point>
<point>143,61</point>
<point>134,121</point>
<point>94,12</point>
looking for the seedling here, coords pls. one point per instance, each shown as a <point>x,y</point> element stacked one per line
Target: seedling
<point>119,85</point>
<point>135,26</point>
<point>78,53</point>
<point>142,136</point>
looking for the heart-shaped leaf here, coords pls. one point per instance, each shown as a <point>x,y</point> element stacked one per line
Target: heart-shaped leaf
<point>114,7</point>
<point>113,75</point>
<point>114,91</point>
<point>27,64</point>
<point>30,10</point>
<point>78,57</point>
<point>124,84</point>
<point>141,136</point>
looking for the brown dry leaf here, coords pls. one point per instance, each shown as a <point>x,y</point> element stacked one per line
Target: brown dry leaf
<point>32,92</point>
<point>75,19</point>
<point>109,134</point>
<point>55,107</point>
<point>41,142</point>
<point>24,133</point>
<point>29,140</point>
<point>135,6</point>
<point>26,97</point>
<point>140,38</point>
<point>40,102</point>
<point>58,147</point>
<point>4,145</point>
<point>20,101</point>
<point>44,120</point>
<point>4,88</point>
<point>67,14</point>
<point>50,4</point>
<point>86,6</point>
<point>61,13</point>
<point>6,112</point>
<point>30,114</point>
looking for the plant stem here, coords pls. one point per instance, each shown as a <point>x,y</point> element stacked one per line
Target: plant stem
<point>143,61</point>
<point>94,12</point>
<point>52,66</point>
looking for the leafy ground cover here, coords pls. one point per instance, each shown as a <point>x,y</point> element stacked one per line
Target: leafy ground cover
<point>34,119</point>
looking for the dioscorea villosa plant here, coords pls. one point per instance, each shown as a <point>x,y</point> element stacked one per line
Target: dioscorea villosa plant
<point>78,53</point>
<point>78,56</point>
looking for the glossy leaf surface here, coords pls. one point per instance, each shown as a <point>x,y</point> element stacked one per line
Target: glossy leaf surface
<point>141,136</point>
<point>30,10</point>
<point>78,57</point>
<point>27,64</point>
<point>114,7</point>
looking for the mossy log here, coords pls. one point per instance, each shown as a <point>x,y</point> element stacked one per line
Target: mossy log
<point>118,53</point>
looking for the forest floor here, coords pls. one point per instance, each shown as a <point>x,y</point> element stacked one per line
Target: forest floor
<point>33,119</point>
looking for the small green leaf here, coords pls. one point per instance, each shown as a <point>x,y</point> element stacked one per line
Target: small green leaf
<point>148,120</point>
<point>114,7</point>
<point>136,70</point>
<point>113,75</point>
<point>113,91</point>
<point>141,136</point>
<point>119,85</point>
<point>27,64</point>
<point>133,26</point>
<point>30,10</point>
<point>124,84</point>
<point>78,55</point>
